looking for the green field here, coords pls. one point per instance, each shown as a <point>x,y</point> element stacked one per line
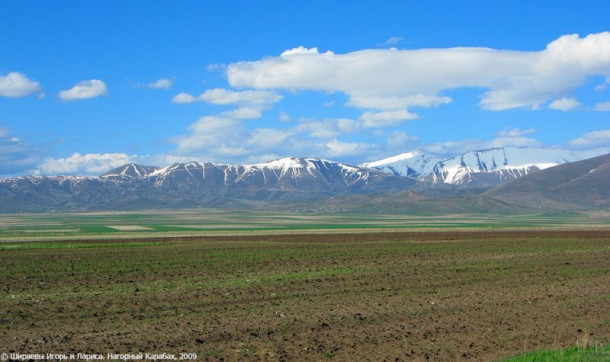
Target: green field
<point>206,221</point>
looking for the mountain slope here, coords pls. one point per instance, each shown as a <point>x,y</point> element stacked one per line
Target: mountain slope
<point>196,184</point>
<point>131,170</point>
<point>581,184</point>
<point>483,168</point>
<point>414,164</point>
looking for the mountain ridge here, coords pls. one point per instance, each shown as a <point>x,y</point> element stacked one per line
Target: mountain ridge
<point>487,167</point>
<point>196,184</point>
<point>575,185</point>
<point>307,184</point>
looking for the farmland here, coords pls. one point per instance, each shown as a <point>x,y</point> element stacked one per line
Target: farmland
<point>282,289</point>
<point>159,223</point>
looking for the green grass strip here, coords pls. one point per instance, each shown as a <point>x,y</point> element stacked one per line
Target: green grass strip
<point>569,354</point>
<point>37,246</point>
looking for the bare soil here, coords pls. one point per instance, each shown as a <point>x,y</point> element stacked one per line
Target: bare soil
<point>448,295</point>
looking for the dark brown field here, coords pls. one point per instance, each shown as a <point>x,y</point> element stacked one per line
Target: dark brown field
<point>478,295</point>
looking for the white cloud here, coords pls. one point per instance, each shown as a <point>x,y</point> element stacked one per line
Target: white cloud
<point>249,97</point>
<point>328,128</point>
<point>267,138</point>
<point>284,117</point>
<point>506,138</point>
<point>564,104</point>
<point>337,148</point>
<point>602,107</point>
<point>91,163</point>
<point>320,130</point>
<point>514,132</point>
<point>162,83</point>
<point>85,89</point>
<point>592,139</point>
<point>213,135</point>
<point>393,40</point>
<point>600,87</point>
<point>16,84</point>
<point>513,142</point>
<point>184,98</point>
<point>299,50</point>
<point>243,113</point>
<point>346,125</point>
<point>401,140</point>
<point>391,79</point>
<point>258,98</point>
<point>397,102</point>
<point>225,138</point>
<point>386,118</point>
<point>603,86</point>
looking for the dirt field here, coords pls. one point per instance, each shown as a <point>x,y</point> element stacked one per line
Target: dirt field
<point>357,296</point>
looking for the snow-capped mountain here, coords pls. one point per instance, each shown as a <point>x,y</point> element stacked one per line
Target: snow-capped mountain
<point>295,174</point>
<point>196,184</point>
<point>478,168</point>
<point>415,164</point>
<point>131,170</point>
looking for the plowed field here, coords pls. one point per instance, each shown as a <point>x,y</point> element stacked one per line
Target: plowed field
<point>477,295</point>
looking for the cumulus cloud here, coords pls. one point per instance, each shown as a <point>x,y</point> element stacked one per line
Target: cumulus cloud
<point>17,84</point>
<point>85,89</point>
<point>390,102</point>
<point>184,98</point>
<point>162,83</point>
<point>400,140</point>
<point>386,118</point>
<point>508,137</point>
<point>602,107</point>
<point>226,138</point>
<point>213,135</point>
<point>564,104</point>
<point>514,132</point>
<point>592,139</point>
<point>83,164</point>
<point>95,164</point>
<point>513,142</point>
<point>260,98</point>
<point>250,97</point>
<point>243,113</point>
<point>393,79</point>
<point>336,148</point>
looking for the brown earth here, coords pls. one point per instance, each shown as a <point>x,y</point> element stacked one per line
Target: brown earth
<point>356,296</point>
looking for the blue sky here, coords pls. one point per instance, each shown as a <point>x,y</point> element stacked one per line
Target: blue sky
<point>87,86</point>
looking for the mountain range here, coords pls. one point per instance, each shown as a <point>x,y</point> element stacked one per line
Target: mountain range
<point>196,184</point>
<point>494,180</point>
<point>482,168</point>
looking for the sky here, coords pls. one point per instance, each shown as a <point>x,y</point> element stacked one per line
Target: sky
<point>86,86</point>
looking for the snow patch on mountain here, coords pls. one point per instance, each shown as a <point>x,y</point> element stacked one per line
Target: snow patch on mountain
<point>414,164</point>
<point>498,165</point>
<point>507,161</point>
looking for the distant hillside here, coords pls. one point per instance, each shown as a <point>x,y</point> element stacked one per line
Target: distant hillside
<point>306,184</point>
<point>573,186</point>
<point>582,184</point>
<point>480,168</point>
<point>196,184</point>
